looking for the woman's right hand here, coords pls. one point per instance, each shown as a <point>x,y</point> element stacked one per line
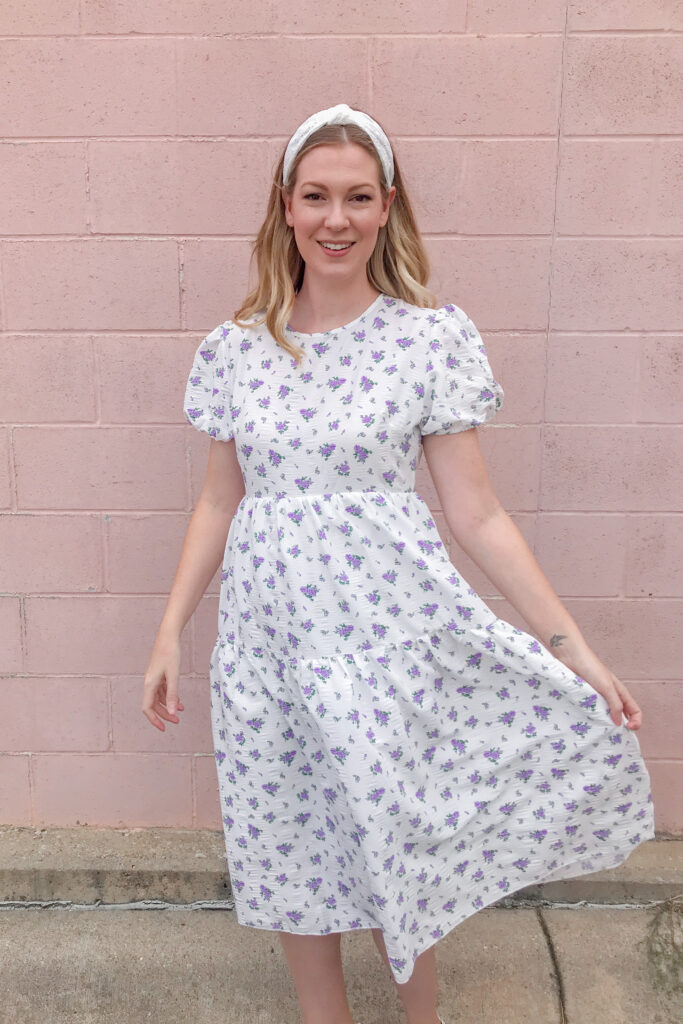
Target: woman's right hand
<point>160,696</point>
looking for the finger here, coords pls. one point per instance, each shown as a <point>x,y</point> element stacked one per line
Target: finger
<point>161,709</point>
<point>631,708</point>
<point>173,705</point>
<point>633,713</point>
<point>151,717</point>
<point>172,699</point>
<point>616,711</point>
<point>616,706</point>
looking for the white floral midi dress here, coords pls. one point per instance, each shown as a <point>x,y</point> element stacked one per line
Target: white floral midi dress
<point>390,753</point>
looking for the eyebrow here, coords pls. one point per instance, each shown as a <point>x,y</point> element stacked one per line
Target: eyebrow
<point>316,184</point>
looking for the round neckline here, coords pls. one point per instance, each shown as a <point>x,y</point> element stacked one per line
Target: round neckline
<point>343,327</point>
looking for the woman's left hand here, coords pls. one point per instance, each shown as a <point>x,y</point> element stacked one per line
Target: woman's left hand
<point>589,667</point>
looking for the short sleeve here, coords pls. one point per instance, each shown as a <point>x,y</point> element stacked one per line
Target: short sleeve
<point>460,390</point>
<point>208,396</point>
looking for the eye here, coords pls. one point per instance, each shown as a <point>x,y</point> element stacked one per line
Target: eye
<point>313,195</point>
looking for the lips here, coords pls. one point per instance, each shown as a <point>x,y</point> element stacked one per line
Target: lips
<point>337,252</point>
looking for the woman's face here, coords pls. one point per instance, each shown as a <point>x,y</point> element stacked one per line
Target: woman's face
<point>337,199</point>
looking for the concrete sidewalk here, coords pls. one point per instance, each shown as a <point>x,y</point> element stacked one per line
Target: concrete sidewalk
<point>501,966</point>
<point>76,946</point>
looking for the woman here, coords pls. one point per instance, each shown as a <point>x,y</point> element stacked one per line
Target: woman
<point>390,754</point>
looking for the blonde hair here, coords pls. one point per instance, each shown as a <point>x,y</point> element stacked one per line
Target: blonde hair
<point>399,265</point>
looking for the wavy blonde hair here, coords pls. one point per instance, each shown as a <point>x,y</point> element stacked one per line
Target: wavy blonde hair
<point>399,265</point>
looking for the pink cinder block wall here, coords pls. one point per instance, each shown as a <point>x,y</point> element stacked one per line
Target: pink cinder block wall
<point>138,141</point>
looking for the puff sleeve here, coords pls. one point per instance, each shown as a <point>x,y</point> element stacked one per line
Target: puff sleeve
<point>460,390</point>
<point>208,396</point>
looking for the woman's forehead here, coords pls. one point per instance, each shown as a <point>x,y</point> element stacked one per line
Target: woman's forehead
<point>337,161</point>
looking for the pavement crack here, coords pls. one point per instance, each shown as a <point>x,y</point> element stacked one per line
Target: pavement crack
<point>557,973</point>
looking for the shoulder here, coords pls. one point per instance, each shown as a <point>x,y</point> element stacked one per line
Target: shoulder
<point>213,364</point>
<point>215,347</point>
<point>452,316</point>
<point>446,331</point>
<point>455,329</point>
<point>428,317</point>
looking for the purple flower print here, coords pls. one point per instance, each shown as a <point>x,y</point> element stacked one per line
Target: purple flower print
<point>494,754</point>
<point>405,343</point>
<point>194,414</point>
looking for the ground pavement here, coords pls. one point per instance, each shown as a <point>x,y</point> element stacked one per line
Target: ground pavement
<point>126,926</point>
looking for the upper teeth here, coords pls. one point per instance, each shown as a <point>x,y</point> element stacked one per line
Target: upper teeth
<point>329,245</point>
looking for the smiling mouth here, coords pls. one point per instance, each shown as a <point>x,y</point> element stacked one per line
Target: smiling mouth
<point>333,246</point>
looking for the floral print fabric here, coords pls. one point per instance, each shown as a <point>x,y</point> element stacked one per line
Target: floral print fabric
<point>390,753</point>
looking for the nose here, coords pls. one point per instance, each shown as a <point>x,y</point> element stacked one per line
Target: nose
<point>336,216</point>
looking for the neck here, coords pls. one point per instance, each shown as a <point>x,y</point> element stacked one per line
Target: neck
<point>327,303</point>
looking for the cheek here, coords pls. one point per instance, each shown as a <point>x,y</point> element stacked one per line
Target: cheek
<point>306,221</point>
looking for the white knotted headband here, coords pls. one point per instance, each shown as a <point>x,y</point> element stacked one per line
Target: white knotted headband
<point>341,114</point>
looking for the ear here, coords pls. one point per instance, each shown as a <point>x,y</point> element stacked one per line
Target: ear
<point>384,216</point>
<point>287,203</point>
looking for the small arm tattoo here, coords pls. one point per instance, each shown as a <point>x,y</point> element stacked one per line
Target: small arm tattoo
<point>556,639</point>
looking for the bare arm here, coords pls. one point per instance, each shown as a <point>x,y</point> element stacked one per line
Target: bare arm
<point>200,557</point>
<point>484,530</point>
<point>207,532</point>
